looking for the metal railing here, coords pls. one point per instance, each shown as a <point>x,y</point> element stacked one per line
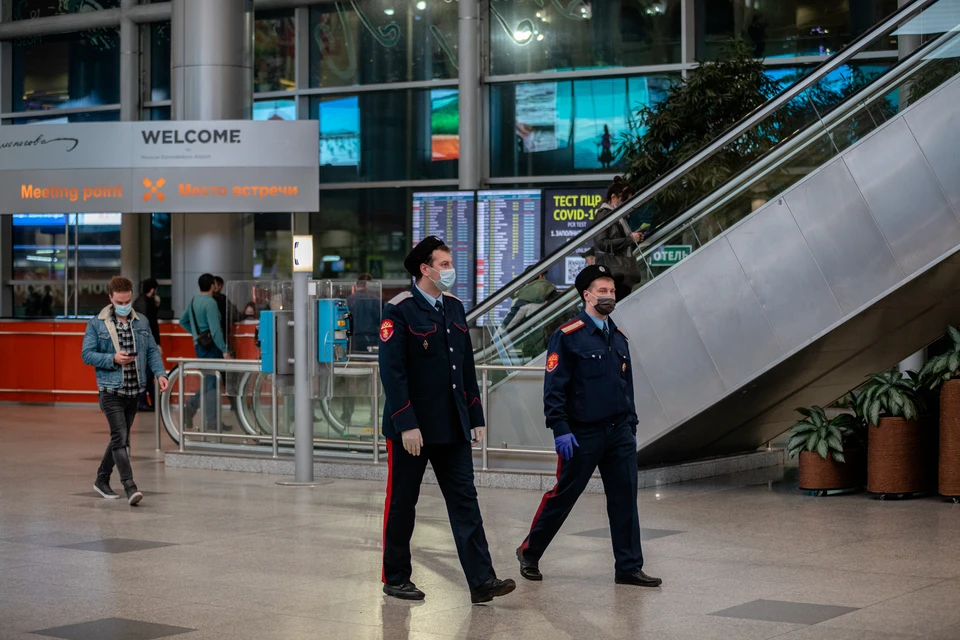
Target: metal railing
<point>858,46</point>
<point>203,367</point>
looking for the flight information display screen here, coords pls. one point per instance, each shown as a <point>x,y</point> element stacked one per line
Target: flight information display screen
<point>566,214</point>
<point>451,216</point>
<point>508,241</point>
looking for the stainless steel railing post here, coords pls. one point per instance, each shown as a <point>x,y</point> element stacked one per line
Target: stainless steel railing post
<point>274,414</point>
<point>183,430</point>
<point>218,399</point>
<point>375,410</point>
<point>156,409</point>
<point>484,454</point>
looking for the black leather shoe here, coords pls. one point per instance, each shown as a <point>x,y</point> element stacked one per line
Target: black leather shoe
<point>405,591</point>
<point>491,589</point>
<point>529,569</point>
<point>638,579</point>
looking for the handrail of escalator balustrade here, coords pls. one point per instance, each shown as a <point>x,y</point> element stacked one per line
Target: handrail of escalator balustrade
<point>744,125</point>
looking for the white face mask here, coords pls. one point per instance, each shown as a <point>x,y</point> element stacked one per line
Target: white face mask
<point>447,279</point>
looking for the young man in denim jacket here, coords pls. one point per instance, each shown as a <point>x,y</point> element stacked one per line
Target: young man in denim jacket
<point>119,343</point>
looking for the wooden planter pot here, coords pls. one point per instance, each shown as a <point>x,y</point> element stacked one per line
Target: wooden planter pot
<point>817,474</point>
<point>897,457</point>
<point>949,465</point>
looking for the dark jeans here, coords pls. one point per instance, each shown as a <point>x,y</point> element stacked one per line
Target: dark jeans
<point>209,387</point>
<point>120,412</point>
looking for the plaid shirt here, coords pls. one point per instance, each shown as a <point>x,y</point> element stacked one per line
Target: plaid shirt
<point>131,382</point>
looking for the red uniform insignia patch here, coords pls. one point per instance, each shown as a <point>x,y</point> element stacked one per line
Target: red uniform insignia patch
<point>552,361</point>
<point>386,330</point>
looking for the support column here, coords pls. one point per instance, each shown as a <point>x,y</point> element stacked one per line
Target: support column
<point>468,56</point>
<point>906,44</point>
<point>211,78</point>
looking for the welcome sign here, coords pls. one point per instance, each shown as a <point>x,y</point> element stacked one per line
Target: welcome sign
<point>171,167</point>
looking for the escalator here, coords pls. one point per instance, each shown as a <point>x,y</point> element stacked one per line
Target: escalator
<point>830,255</point>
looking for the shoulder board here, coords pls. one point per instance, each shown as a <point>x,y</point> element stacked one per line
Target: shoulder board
<point>400,297</point>
<point>570,327</point>
<point>626,337</point>
<point>450,295</point>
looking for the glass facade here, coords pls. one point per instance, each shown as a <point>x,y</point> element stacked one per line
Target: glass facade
<point>530,37</point>
<point>571,126</point>
<point>778,29</point>
<point>361,230</point>
<point>382,41</point>
<point>388,135</point>
<point>274,48</point>
<point>585,67</point>
<point>66,71</point>
<point>50,251</point>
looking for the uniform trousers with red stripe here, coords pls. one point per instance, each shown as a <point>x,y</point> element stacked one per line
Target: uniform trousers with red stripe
<point>453,465</point>
<point>612,449</point>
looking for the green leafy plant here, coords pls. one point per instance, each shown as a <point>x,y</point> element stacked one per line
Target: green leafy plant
<point>939,369</point>
<point>826,436</point>
<point>890,394</point>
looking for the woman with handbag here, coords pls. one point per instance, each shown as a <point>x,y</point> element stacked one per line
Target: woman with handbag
<point>616,245</point>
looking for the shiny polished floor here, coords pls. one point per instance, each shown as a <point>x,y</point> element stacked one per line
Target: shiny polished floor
<point>235,556</point>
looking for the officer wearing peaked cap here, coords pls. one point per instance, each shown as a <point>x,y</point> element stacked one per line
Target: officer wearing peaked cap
<point>432,404</point>
<point>588,403</point>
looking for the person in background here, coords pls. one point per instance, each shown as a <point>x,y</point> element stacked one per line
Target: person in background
<point>590,256</point>
<point>250,313</point>
<point>147,305</point>
<point>536,293</point>
<point>365,310</point>
<point>588,402</point>
<point>228,312</point>
<point>33,302</point>
<point>615,246</point>
<point>118,343</point>
<point>46,305</point>
<point>202,321</point>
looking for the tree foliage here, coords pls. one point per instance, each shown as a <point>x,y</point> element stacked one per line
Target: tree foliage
<point>697,110</point>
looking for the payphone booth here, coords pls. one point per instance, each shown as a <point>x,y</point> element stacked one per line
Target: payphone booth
<point>344,317</point>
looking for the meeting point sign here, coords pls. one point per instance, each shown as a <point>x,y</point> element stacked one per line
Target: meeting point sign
<point>170,167</point>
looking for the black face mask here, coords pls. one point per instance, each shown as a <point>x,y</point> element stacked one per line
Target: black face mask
<point>604,304</point>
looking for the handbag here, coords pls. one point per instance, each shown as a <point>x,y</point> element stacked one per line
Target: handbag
<point>623,266</point>
<point>205,338</point>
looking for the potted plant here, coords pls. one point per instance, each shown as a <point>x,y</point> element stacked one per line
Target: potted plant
<point>942,373</point>
<point>832,456</point>
<point>897,446</point>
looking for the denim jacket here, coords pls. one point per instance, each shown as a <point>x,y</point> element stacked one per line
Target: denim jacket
<point>100,344</point>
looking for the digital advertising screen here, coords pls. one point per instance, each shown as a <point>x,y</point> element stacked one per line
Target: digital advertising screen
<point>444,124</point>
<point>451,216</point>
<point>566,214</point>
<point>339,132</point>
<point>508,241</point>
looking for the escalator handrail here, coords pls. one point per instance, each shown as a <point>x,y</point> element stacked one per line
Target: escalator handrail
<point>745,124</point>
<point>796,143</point>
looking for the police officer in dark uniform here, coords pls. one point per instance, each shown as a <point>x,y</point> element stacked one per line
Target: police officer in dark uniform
<point>432,404</point>
<point>588,402</point>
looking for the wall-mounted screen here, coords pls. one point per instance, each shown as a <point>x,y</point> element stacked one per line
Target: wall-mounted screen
<point>339,132</point>
<point>566,214</point>
<point>451,216</point>
<point>508,241</point>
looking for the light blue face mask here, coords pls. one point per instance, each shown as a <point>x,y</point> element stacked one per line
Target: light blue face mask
<point>123,310</point>
<point>447,279</point>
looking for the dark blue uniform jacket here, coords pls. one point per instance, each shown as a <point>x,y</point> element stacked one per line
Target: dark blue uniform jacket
<point>588,382</point>
<point>427,369</point>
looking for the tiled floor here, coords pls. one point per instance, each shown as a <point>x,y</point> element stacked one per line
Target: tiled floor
<point>235,556</point>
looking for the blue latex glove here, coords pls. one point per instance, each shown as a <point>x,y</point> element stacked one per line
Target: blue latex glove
<point>565,444</point>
